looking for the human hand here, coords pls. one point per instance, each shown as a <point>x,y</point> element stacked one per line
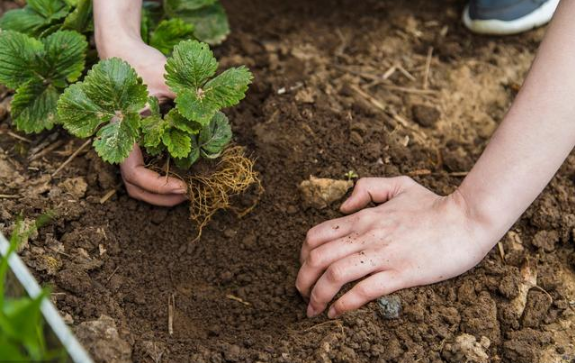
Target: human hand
<point>142,183</point>
<point>415,238</point>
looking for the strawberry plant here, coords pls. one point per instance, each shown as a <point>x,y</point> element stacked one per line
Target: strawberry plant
<point>107,104</point>
<point>39,70</point>
<point>40,18</point>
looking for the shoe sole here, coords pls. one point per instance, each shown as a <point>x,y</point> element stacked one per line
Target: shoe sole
<point>537,18</point>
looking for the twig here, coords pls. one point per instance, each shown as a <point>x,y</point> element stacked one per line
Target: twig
<point>459,173</point>
<point>112,274</point>
<point>16,136</point>
<point>9,196</point>
<point>235,298</point>
<point>410,90</point>
<point>69,160</point>
<point>368,97</point>
<point>501,251</point>
<point>389,72</point>
<point>419,172</point>
<point>46,151</point>
<point>108,195</point>
<point>405,72</point>
<point>427,68</point>
<point>171,299</point>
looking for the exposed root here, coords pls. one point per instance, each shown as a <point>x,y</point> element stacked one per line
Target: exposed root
<point>210,192</point>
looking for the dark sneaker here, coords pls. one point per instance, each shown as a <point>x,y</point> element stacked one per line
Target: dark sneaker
<point>503,17</point>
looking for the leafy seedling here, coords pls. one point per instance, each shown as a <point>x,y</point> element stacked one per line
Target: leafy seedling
<point>40,18</point>
<point>350,175</point>
<point>208,17</point>
<point>39,70</point>
<point>169,33</point>
<point>107,103</point>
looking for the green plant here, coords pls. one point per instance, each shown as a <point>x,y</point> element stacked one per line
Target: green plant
<point>39,70</point>
<point>107,103</point>
<point>40,18</point>
<point>21,324</point>
<point>350,175</point>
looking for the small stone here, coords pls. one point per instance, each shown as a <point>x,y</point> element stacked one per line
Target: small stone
<point>389,306</point>
<point>424,115</point>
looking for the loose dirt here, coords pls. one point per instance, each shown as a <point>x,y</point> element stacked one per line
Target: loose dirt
<point>319,106</point>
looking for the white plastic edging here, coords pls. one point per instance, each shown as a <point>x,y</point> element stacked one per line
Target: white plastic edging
<point>49,311</point>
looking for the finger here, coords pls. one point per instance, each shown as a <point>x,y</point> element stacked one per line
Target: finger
<point>373,287</point>
<point>321,258</point>
<point>162,200</point>
<point>377,190</point>
<point>326,232</point>
<point>134,172</point>
<point>339,273</point>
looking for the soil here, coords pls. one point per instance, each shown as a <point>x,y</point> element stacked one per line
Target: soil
<point>318,106</point>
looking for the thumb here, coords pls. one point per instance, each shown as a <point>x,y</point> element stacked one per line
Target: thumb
<point>376,190</point>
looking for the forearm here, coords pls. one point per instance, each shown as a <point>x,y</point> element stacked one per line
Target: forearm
<point>116,22</point>
<point>536,136</point>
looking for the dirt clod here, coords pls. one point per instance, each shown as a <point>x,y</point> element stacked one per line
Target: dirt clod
<point>319,193</point>
<point>103,341</point>
<point>466,348</point>
<point>425,115</point>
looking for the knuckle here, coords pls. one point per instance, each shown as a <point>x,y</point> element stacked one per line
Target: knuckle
<point>309,237</point>
<point>335,273</point>
<point>315,259</point>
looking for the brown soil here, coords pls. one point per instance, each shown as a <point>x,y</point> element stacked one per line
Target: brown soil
<point>314,109</point>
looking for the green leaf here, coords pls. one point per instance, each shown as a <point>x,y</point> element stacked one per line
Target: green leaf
<point>169,33</point>
<point>111,88</point>
<point>193,156</point>
<point>49,9</point>
<point>191,65</point>
<point>210,23</point>
<point>38,18</point>
<point>154,105</point>
<point>65,53</point>
<point>80,19</point>
<point>34,107</point>
<point>24,316</point>
<point>226,90</point>
<point>153,128</point>
<point>115,141</point>
<point>176,120</point>
<point>19,58</point>
<point>175,7</point>
<point>24,20</point>
<point>215,136</point>
<point>178,143</point>
<point>230,87</point>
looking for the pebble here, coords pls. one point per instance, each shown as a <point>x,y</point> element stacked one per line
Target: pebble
<point>389,306</point>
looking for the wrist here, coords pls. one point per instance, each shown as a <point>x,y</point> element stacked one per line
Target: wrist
<point>116,25</point>
<point>109,46</point>
<point>485,219</point>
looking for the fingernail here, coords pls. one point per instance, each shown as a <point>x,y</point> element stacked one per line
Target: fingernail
<point>311,313</point>
<point>331,313</point>
<point>181,191</point>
